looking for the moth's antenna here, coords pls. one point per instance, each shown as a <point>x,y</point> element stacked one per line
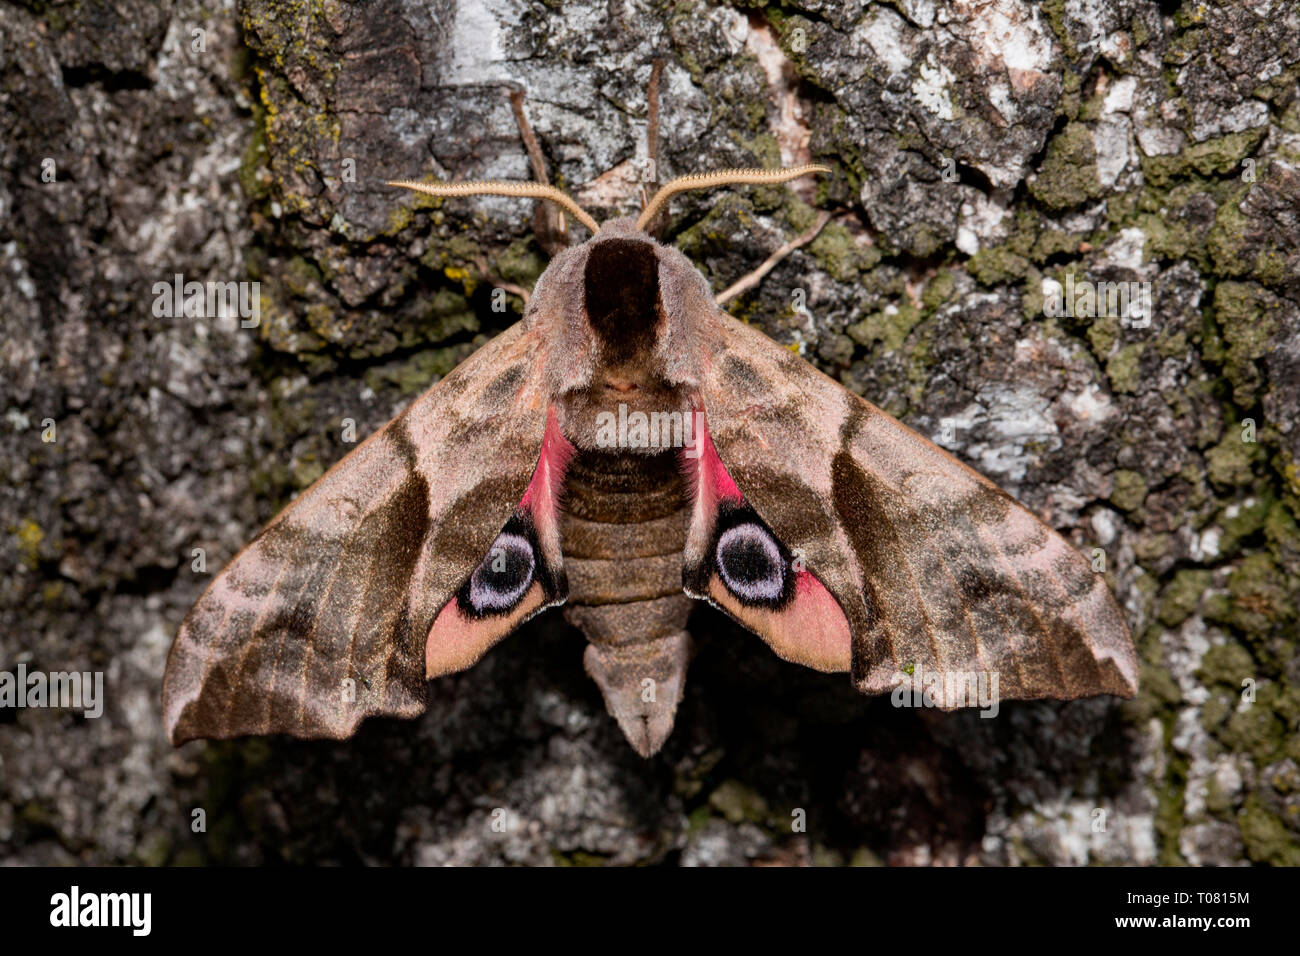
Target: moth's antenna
<point>499,188</point>
<point>723,177</point>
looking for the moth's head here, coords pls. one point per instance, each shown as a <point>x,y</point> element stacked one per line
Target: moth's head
<point>621,311</point>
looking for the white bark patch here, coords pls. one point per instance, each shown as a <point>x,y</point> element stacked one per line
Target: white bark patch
<point>1090,405</point>
<point>477,54</point>
<point>1112,136</point>
<point>1009,418</point>
<point>999,94</point>
<point>931,88</point>
<point>1110,141</point>
<point>883,30</point>
<point>1248,115</point>
<point>981,222</point>
<point>920,12</point>
<point>1119,98</point>
<point>1010,34</point>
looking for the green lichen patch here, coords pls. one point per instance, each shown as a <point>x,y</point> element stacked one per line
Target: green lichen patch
<point>940,290</point>
<point>578,858</point>
<point>1247,316</point>
<point>1180,598</point>
<point>1123,367</point>
<point>1259,602</point>
<point>1212,157</point>
<point>1226,666</point>
<point>1241,520</point>
<point>889,327</point>
<point>1254,727</point>
<point>1267,839</point>
<point>521,263</point>
<point>254,165</point>
<point>998,265</point>
<point>1130,490</point>
<point>28,537</point>
<point>840,256</point>
<point>1229,463</point>
<point>714,237</point>
<point>737,803</point>
<point>1176,220</point>
<point>1153,547</point>
<point>417,373</point>
<point>1068,176</point>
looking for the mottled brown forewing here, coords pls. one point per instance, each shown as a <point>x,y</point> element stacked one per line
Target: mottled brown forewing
<point>344,584</point>
<point>932,564</point>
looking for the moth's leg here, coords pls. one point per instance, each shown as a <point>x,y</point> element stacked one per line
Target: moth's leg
<point>655,228</point>
<point>748,281</point>
<point>548,222</point>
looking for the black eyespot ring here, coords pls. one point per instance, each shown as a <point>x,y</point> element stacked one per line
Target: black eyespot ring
<point>749,559</point>
<point>505,574</point>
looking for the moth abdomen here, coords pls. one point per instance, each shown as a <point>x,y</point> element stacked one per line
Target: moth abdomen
<point>642,683</point>
<point>623,527</point>
<point>623,531</point>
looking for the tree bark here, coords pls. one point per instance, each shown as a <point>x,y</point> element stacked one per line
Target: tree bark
<point>984,155</point>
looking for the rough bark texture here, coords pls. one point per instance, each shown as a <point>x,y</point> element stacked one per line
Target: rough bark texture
<point>980,150</point>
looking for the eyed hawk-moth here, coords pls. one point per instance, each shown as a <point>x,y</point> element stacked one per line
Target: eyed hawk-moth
<point>842,538</point>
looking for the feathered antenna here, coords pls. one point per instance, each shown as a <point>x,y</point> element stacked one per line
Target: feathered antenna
<point>723,177</point>
<point>498,188</point>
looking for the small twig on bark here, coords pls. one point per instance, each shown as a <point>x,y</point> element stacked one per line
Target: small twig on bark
<point>747,282</point>
<point>510,287</point>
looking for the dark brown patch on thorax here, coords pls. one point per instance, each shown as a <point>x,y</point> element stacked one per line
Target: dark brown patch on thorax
<point>621,294</point>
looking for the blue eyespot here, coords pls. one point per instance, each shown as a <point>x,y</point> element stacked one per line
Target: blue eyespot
<point>750,563</point>
<point>504,575</point>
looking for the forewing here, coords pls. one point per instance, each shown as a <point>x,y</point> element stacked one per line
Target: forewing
<point>326,617</point>
<point>931,564</point>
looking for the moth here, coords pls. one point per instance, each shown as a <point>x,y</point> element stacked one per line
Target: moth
<point>843,539</point>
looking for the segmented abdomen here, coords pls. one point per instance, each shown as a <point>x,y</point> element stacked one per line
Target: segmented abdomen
<point>623,530</point>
